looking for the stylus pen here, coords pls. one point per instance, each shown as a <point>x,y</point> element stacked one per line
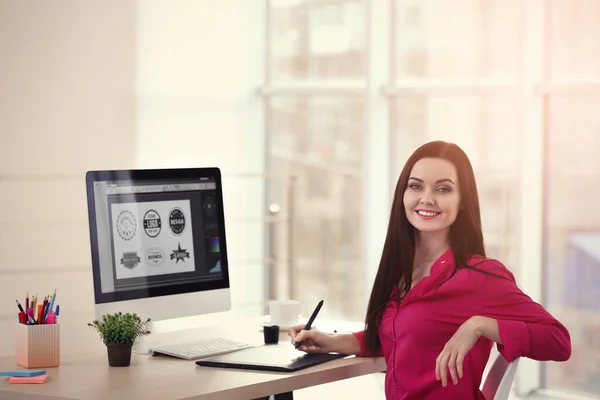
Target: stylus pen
<point>310,321</point>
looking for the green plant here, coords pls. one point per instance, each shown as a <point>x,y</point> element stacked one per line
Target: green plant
<point>120,328</point>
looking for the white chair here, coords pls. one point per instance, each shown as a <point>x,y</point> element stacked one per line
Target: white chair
<point>499,379</point>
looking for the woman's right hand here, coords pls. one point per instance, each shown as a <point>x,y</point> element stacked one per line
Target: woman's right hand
<point>313,341</point>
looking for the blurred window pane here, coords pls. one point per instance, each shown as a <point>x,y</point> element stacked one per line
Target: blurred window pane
<point>458,39</point>
<point>316,40</point>
<point>572,245</point>
<point>320,141</point>
<point>575,33</point>
<point>488,130</point>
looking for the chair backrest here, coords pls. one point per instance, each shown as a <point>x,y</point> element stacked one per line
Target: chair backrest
<point>499,379</point>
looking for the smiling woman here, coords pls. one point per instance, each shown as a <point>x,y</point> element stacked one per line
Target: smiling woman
<point>436,293</point>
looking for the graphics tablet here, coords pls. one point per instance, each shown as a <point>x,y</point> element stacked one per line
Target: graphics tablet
<point>273,357</point>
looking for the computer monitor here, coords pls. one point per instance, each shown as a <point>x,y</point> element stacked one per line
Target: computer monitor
<point>158,242</point>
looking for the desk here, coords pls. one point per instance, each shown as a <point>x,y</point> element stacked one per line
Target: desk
<point>84,372</point>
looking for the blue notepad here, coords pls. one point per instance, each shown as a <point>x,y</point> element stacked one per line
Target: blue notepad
<point>28,373</point>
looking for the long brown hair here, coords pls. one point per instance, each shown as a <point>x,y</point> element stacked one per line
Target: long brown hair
<point>397,258</point>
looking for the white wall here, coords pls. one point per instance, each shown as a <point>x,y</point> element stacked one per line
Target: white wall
<point>67,104</point>
<point>116,84</point>
<point>196,77</point>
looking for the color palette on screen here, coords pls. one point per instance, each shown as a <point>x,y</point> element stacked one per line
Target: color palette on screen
<point>214,245</point>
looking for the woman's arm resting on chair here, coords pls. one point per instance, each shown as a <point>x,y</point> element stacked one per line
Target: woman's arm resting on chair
<point>520,326</point>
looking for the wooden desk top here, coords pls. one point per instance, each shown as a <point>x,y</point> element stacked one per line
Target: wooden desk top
<point>84,373</point>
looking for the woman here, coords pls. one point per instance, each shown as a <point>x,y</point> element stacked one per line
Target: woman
<point>438,304</point>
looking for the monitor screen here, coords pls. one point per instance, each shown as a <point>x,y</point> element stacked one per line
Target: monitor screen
<point>156,232</point>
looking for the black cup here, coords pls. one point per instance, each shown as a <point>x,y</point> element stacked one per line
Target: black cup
<point>271,334</point>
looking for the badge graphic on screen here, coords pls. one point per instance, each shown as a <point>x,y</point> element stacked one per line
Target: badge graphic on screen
<point>130,259</point>
<point>179,254</point>
<point>177,221</point>
<point>155,256</point>
<point>152,223</point>
<point>126,225</point>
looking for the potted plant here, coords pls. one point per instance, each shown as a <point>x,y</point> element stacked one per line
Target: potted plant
<point>118,332</point>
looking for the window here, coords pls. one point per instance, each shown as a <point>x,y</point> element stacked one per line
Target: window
<point>572,245</point>
<point>353,87</point>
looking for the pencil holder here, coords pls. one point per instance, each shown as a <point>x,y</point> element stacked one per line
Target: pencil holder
<point>38,346</point>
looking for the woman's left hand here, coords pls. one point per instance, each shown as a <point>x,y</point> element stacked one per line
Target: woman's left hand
<point>454,352</point>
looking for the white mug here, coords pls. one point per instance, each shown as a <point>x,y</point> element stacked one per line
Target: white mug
<point>284,313</point>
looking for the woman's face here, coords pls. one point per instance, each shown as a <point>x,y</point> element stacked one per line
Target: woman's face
<point>432,197</point>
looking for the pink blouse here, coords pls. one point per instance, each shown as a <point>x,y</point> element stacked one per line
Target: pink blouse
<point>414,332</point>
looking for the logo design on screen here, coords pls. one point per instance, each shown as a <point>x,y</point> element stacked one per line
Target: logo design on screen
<point>126,225</point>
<point>152,223</point>
<point>179,254</point>
<point>155,256</point>
<point>177,221</point>
<point>130,259</point>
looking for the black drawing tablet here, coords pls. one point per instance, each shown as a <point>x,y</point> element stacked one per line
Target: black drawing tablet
<point>273,357</point>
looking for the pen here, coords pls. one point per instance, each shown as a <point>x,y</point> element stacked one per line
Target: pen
<point>35,299</point>
<point>310,321</point>
<point>46,310</point>
<point>52,301</point>
<point>20,307</point>
<point>42,316</point>
<point>27,301</point>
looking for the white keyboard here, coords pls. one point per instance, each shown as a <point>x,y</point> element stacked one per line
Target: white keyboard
<point>201,348</point>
